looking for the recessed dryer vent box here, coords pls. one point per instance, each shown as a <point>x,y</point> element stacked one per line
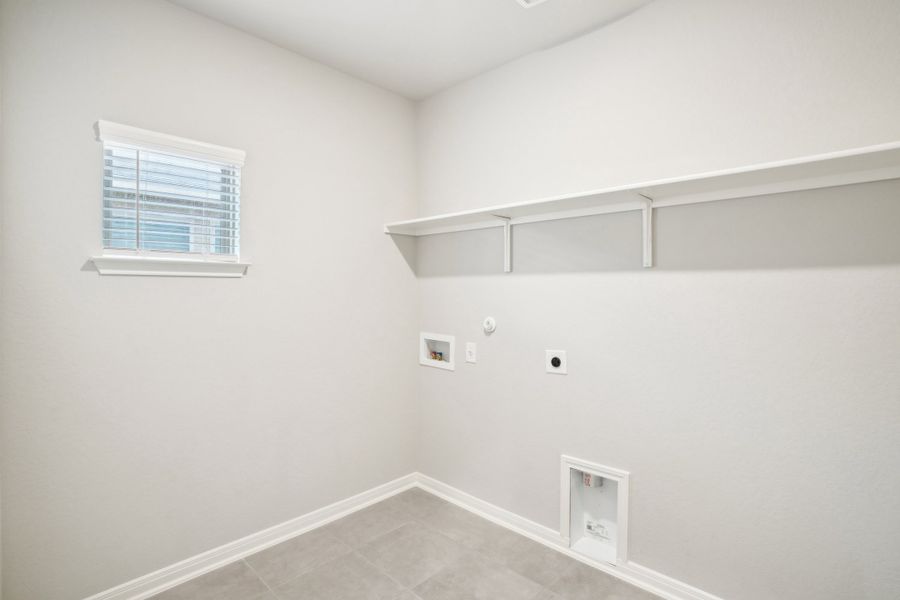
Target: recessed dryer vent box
<point>594,510</point>
<point>437,350</point>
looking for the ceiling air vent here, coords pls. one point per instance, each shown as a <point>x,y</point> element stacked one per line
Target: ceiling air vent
<point>530,3</point>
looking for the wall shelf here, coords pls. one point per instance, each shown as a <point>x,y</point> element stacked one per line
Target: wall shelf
<point>860,165</point>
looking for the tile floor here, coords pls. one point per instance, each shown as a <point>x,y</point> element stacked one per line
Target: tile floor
<point>413,546</point>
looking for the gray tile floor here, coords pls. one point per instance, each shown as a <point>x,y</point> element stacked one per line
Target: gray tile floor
<point>413,546</point>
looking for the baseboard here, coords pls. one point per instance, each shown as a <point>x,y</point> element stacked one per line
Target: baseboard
<point>148,585</point>
<point>677,589</point>
<point>165,578</point>
<point>498,515</point>
<point>635,574</point>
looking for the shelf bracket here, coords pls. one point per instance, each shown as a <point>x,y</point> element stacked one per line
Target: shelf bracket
<point>507,244</point>
<point>647,222</point>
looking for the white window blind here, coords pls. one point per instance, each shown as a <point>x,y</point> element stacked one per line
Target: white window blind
<point>167,194</point>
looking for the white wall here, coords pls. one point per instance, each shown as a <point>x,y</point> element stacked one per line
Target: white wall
<point>678,87</point>
<point>750,381</point>
<point>145,420</point>
<point>1,304</point>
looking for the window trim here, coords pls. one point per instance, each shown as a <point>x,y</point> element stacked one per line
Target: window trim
<point>133,262</point>
<point>155,266</point>
<point>134,136</point>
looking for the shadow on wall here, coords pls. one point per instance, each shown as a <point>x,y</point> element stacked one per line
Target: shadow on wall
<point>845,226</point>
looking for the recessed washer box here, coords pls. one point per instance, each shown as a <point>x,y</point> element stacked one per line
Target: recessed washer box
<point>437,350</point>
<point>594,510</point>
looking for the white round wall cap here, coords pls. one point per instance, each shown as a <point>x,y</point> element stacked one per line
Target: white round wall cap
<point>489,325</point>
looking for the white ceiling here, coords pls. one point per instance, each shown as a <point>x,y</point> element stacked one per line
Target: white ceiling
<point>414,47</point>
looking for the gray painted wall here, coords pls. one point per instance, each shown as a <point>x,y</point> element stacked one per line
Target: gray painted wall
<point>145,420</point>
<point>749,382</point>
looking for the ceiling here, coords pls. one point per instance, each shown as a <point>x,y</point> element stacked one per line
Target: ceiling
<point>414,47</point>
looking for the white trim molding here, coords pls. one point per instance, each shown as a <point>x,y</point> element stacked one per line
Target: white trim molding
<point>127,135</point>
<point>167,267</point>
<point>676,590</point>
<point>168,577</point>
<point>486,510</point>
<point>640,576</point>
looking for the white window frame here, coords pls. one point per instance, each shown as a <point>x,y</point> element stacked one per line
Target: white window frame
<point>144,262</point>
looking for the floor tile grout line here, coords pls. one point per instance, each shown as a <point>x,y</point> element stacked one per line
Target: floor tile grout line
<point>379,569</point>
<point>491,550</point>
<point>499,562</point>
<point>260,577</point>
<point>307,571</point>
<point>465,548</point>
<point>378,537</point>
<point>351,549</point>
<point>419,523</point>
<point>453,563</point>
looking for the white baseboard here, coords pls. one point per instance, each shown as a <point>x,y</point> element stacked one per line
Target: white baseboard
<point>165,578</point>
<point>148,585</point>
<point>635,574</point>
<point>676,589</point>
<point>498,515</point>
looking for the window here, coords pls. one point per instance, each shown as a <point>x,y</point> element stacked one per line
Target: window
<point>168,197</point>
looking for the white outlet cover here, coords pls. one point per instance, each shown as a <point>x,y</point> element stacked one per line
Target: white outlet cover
<point>562,369</point>
<point>471,352</point>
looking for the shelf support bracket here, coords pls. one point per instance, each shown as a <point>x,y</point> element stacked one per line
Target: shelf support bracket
<point>507,243</point>
<point>647,222</point>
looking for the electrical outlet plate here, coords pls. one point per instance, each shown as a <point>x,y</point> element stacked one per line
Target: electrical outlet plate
<point>471,352</point>
<point>563,368</point>
<point>596,529</point>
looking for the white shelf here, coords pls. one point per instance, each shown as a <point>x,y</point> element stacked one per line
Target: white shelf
<point>860,165</point>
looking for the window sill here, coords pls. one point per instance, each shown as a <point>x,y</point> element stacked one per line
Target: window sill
<point>167,267</point>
